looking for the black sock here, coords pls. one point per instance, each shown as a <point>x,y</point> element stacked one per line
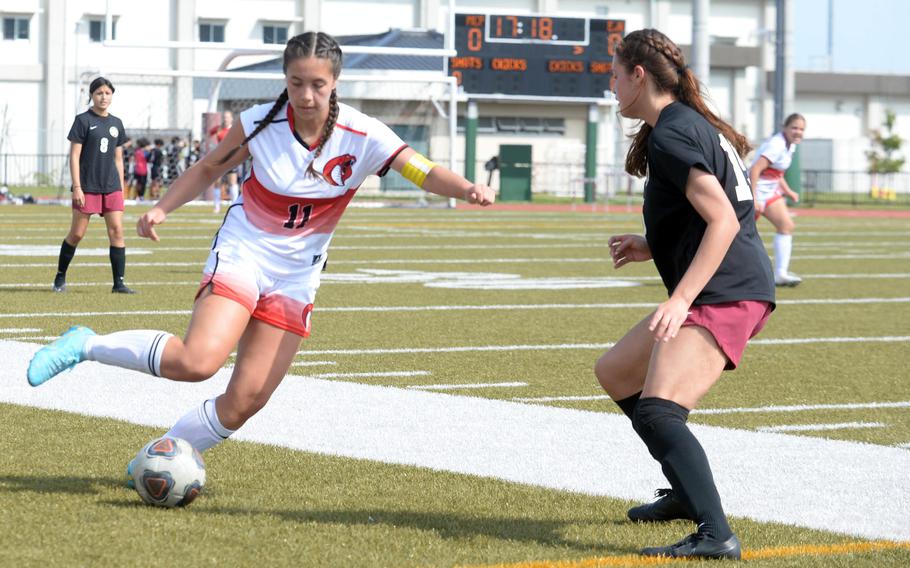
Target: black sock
<point>67,252</point>
<point>118,264</point>
<point>627,405</point>
<point>662,425</point>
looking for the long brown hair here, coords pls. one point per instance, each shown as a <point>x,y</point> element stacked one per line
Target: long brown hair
<point>664,61</point>
<point>307,44</point>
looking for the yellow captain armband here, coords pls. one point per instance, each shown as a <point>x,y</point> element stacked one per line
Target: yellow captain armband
<point>417,169</point>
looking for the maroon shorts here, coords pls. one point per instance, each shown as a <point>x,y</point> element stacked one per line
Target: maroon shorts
<point>101,203</point>
<point>732,324</point>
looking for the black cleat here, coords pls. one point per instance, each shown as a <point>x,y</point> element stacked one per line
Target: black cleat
<point>59,283</point>
<point>698,545</point>
<point>665,508</point>
<point>122,289</point>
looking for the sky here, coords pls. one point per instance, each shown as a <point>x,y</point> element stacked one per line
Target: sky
<point>866,35</point>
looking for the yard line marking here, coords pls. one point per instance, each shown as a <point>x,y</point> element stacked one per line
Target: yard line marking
<point>312,363</point>
<point>97,264</point>
<point>803,407</point>
<point>821,427</point>
<point>559,398</point>
<point>369,375</point>
<point>616,305</point>
<point>466,386</point>
<point>92,314</point>
<point>20,329</point>
<point>905,446</point>
<point>798,341</point>
<point>88,284</point>
<point>480,348</point>
<point>634,560</point>
<point>770,477</point>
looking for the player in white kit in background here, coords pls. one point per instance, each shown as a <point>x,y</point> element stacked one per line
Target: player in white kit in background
<point>769,187</point>
<point>309,155</point>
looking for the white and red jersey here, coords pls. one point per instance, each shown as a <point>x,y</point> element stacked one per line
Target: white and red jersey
<point>286,218</point>
<point>776,150</point>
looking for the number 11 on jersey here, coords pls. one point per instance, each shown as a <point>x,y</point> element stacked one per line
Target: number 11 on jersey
<point>743,189</point>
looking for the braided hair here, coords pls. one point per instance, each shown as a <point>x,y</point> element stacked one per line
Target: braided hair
<point>665,62</point>
<point>307,44</point>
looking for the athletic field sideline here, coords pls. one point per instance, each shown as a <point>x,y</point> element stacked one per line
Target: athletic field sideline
<point>444,413</point>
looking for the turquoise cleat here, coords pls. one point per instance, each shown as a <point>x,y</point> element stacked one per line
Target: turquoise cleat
<point>59,356</point>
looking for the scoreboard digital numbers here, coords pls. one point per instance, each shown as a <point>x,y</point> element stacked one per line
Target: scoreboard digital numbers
<point>533,55</point>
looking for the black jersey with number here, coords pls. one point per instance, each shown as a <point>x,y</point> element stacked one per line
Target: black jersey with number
<point>100,136</point>
<point>683,139</point>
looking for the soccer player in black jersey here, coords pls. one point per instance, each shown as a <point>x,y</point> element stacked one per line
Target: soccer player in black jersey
<point>96,166</point>
<point>700,231</point>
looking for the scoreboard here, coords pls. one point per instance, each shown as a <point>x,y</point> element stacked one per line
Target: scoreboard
<point>534,55</point>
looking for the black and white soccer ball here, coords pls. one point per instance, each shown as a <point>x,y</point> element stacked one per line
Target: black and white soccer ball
<point>168,472</point>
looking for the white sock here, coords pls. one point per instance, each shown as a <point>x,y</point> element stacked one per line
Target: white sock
<point>783,244</point>
<point>234,191</point>
<point>138,349</point>
<point>201,427</point>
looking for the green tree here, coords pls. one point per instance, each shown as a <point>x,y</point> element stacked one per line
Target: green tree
<point>884,160</point>
<point>883,157</point>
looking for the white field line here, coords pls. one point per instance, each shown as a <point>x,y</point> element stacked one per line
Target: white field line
<point>905,446</point>
<point>20,330</point>
<point>329,281</point>
<point>370,375</point>
<point>490,307</point>
<point>765,477</point>
<point>312,363</point>
<point>803,407</point>
<point>560,398</point>
<point>466,386</point>
<point>470,261</point>
<point>552,347</point>
<point>821,427</point>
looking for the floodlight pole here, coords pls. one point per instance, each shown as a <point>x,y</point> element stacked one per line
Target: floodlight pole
<point>784,80</point>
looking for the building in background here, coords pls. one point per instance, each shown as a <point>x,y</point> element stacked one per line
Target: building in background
<point>51,49</point>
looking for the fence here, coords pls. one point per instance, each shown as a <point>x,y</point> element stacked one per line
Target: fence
<point>854,187</point>
<point>35,170</point>
<point>851,187</point>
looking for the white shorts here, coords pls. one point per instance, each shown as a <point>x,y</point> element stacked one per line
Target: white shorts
<point>763,200</point>
<point>235,271</point>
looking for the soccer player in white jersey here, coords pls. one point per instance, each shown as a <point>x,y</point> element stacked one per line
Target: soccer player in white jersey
<point>310,154</point>
<point>773,158</point>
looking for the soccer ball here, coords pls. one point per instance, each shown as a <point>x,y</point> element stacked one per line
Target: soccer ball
<point>168,472</point>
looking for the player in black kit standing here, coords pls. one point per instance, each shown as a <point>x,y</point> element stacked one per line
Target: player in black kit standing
<point>700,231</point>
<point>96,166</point>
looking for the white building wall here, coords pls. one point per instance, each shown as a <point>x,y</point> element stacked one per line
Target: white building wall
<point>153,101</point>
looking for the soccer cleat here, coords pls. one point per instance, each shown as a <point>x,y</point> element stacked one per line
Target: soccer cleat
<point>59,283</point>
<point>59,356</point>
<point>698,545</point>
<point>122,289</point>
<point>787,279</point>
<point>665,508</point>
<point>130,481</point>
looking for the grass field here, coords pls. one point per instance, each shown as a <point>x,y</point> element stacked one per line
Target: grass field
<point>500,313</point>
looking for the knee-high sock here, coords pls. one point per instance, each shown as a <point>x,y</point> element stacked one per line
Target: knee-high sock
<point>201,427</point>
<point>783,244</point>
<point>118,264</point>
<point>233,192</point>
<point>662,426</point>
<point>627,405</point>
<point>67,252</point>
<point>138,349</point>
